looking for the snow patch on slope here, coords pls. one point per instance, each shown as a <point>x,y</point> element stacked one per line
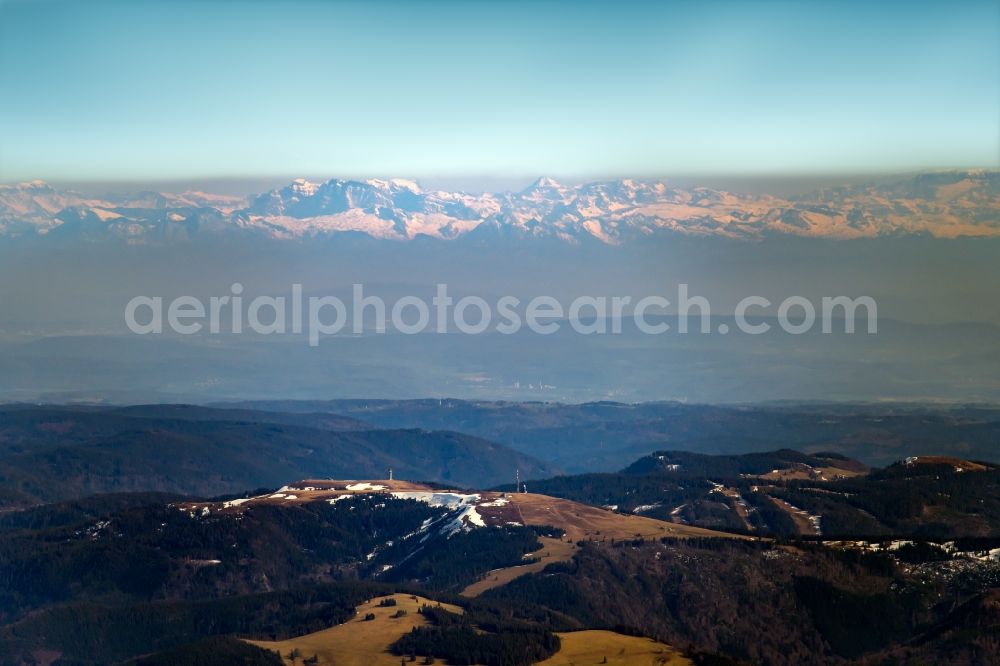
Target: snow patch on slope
<point>464,505</point>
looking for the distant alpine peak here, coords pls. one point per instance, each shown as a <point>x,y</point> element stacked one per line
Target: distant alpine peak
<point>34,185</point>
<point>545,183</point>
<point>303,186</point>
<point>405,184</point>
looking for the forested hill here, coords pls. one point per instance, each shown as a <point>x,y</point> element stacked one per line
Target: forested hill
<point>790,493</point>
<point>53,453</point>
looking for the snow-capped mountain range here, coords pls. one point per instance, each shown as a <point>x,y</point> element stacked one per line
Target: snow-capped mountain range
<point>944,204</point>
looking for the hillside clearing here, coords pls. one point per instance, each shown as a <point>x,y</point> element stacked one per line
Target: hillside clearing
<point>580,522</point>
<point>359,642</point>
<point>593,646</point>
<point>552,551</point>
<point>583,522</point>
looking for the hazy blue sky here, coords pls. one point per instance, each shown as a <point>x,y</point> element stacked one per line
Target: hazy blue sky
<point>114,90</point>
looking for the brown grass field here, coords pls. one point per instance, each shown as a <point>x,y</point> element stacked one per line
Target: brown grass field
<point>957,463</point>
<point>813,474</point>
<point>800,518</point>
<point>583,522</point>
<point>592,647</point>
<point>358,642</point>
<point>553,550</point>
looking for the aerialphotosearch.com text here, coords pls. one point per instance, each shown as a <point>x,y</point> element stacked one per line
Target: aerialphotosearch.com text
<point>322,316</point>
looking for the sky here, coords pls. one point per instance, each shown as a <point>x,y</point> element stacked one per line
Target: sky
<point>182,89</point>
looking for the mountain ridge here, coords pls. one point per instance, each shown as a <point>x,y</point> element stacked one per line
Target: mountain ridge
<point>612,212</point>
<point>54,454</point>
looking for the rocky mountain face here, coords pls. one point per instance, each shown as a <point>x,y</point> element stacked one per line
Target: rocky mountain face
<point>945,204</point>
